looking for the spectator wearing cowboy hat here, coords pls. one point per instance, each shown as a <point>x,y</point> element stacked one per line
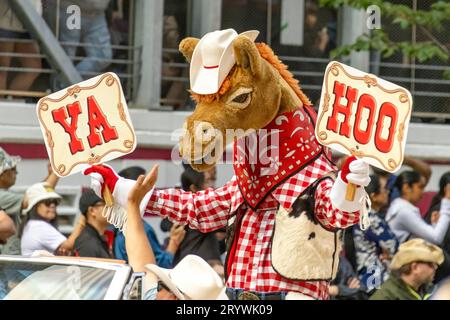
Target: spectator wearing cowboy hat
<point>413,269</point>
<point>11,202</point>
<point>192,278</point>
<point>39,229</point>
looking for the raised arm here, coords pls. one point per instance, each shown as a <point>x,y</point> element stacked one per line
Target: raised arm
<point>138,248</point>
<point>66,247</point>
<point>329,216</point>
<point>418,165</point>
<point>52,179</point>
<point>207,210</point>
<point>137,245</point>
<point>332,208</point>
<point>414,224</point>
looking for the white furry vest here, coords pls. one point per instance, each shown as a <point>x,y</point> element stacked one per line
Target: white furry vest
<point>302,249</point>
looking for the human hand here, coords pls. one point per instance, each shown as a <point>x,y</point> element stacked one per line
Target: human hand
<point>435,215</point>
<point>322,39</point>
<point>333,291</point>
<point>142,186</point>
<point>177,233</point>
<point>384,256</point>
<point>64,249</point>
<point>353,283</point>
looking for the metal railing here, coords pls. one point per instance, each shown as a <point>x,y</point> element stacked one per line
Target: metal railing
<point>129,66</point>
<point>430,91</point>
<point>309,72</point>
<point>178,83</point>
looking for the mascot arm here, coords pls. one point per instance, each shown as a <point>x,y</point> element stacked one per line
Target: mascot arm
<point>206,210</point>
<point>104,175</point>
<point>329,216</point>
<point>331,206</point>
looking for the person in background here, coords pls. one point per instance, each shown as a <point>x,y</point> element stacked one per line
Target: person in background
<point>173,93</point>
<point>315,45</point>
<point>39,229</point>
<point>191,279</point>
<point>404,218</point>
<point>375,247</point>
<point>413,269</point>
<point>91,241</point>
<point>346,285</point>
<point>432,217</point>
<point>164,258</point>
<point>12,202</point>
<point>205,245</point>
<point>416,164</point>
<point>7,227</point>
<point>12,28</point>
<point>93,33</point>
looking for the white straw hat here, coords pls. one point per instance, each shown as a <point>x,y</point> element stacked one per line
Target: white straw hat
<point>39,192</point>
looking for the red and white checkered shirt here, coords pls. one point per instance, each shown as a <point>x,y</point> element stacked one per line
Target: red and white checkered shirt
<point>209,210</point>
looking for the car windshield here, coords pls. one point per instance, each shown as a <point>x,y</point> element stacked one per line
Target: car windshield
<point>44,281</point>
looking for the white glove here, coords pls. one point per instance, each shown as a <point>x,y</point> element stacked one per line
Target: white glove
<point>358,174</point>
<point>119,187</point>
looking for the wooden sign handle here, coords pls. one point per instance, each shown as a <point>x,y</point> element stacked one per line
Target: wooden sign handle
<point>350,192</point>
<point>107,196</point>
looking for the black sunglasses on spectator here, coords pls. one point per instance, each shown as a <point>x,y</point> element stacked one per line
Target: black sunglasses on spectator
<point>49,202</point>
<point>161,286</point>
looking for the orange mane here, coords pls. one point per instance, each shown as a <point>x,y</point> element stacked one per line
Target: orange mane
<point>267,54</point>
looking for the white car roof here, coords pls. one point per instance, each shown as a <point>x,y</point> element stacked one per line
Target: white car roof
<point>120,269</point>
<point>81,261</point>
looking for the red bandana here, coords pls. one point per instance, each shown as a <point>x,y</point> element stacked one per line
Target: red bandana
<point>265,159</point>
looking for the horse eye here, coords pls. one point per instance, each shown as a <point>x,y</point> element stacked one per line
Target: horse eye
<point>241,98</point>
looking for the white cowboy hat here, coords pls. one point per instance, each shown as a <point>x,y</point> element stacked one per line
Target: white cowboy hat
<point>213,59</point>
<point>38,192</point>
<point>192,278</point>
<point>416,250</point>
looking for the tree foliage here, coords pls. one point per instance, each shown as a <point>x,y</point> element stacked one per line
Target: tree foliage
<point>428,21</point>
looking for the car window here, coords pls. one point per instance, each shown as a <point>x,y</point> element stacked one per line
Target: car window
<point>39,281</point>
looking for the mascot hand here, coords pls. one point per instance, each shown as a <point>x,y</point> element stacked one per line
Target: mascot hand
<point>355,171</point>
<point>102,175</point>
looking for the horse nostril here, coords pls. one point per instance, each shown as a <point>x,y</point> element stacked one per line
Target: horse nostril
<point>204,131</point>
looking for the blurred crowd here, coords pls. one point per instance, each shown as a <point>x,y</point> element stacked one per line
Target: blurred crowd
<point>403,254</point>
<point>28,223</point>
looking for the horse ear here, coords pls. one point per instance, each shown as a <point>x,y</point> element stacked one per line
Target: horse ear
<point>187,46</point>
<point>247,55</point>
